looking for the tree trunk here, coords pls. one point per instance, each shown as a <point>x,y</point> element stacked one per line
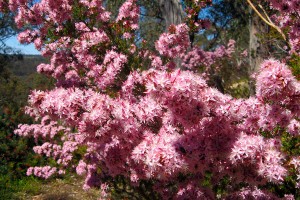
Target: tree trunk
<point>172,12</point>
<point>257,51</point>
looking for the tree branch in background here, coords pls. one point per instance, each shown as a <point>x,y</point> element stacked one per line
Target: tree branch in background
<point>267,21</point>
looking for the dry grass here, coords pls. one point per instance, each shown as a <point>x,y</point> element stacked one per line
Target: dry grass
<point>60,189</point>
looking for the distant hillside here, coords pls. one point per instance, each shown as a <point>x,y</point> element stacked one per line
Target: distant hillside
<point>26,64</point>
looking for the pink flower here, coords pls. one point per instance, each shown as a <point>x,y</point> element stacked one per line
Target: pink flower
<point>175,43</point>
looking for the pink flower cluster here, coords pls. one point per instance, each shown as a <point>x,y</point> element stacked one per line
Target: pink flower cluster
<point>157,155</point>
<point>288,18</point>
<point>151,122</point>
<point>275,82</point>
<point>264,155</point>
<point>174,43</point>
<point>43,172</point>
<point>253,193</point>
<point>198,57</point>
<point>129,14</point>
<point>105,74</point>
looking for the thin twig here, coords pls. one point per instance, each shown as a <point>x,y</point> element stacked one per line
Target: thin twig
<point>269,22</point>
<point>260,6</point>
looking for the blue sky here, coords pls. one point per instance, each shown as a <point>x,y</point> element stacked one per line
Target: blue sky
<point>25,49</point>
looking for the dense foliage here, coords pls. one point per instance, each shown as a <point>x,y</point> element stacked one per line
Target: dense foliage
<point>147,117</point>
<point>16,153</point>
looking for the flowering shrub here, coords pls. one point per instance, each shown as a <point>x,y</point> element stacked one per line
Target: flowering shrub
<point>150,121</point>
<point>288,19</point>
